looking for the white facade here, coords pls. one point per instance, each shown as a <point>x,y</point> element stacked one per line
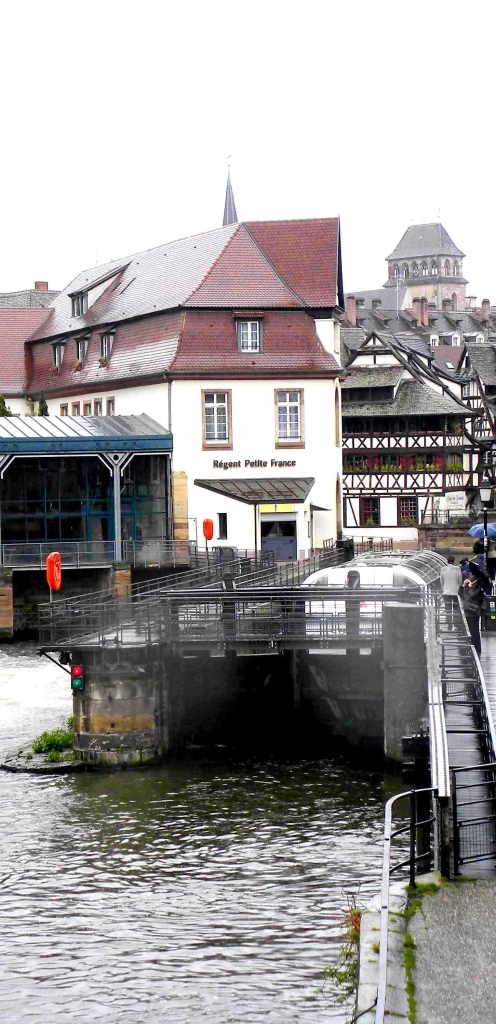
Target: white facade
<point>253,450</point>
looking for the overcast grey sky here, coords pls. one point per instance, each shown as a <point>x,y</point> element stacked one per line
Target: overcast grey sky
<point>118,118</point>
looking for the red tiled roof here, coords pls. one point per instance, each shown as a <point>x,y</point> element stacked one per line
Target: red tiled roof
<point>290,347</point>
<point>190,343</point>
<point>288,264</point>
<point>242,276</point>
<point>16,326</point>
<point>141,348</point>
<point>306,254</point>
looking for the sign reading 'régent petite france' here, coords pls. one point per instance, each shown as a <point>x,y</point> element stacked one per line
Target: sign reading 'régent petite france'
<point>254,464</point>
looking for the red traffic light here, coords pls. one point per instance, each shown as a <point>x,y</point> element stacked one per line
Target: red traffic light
<point>77,677</point>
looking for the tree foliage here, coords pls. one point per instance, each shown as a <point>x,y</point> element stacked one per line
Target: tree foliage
<point>42,405</point>
<point>4,408</point>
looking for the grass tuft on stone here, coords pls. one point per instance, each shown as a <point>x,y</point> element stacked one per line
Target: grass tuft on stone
<point>57,740</point>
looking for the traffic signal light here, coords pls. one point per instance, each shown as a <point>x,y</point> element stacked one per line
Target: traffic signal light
<point>77,678</point>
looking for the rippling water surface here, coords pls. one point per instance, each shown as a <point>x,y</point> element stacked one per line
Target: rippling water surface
<point>207,892</point>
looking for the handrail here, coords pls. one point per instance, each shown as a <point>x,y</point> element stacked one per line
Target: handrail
<point>389,834</point>
<point>438,738</point>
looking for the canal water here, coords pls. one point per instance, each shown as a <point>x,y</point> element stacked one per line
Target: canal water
<point>207,891</point>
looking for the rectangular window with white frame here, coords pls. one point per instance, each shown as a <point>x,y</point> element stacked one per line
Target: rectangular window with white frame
<point>76,409</point>
<point>81,346</point>
<point>249,335</point>
<point>106,341</point>
<point>110,406</point>
<point>97,407</point>
<point>216,419</point>
<point>86,408</point>
<point>289,419</point>
<point>79,303</point>
<point>58,354</point>
<point>64,410</point>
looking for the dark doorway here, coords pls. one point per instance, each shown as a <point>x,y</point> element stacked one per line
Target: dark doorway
<point>280,537</point>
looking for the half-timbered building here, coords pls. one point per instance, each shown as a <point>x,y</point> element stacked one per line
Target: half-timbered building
<point>406,438</point>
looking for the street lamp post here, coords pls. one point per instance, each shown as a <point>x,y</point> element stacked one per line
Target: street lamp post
<point>485,491</point>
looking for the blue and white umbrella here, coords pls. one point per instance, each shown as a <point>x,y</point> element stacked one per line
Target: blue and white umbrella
<point>478,530</point>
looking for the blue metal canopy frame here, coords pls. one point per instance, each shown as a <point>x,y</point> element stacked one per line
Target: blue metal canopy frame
<point>112,439</point>
<point>43,435</point>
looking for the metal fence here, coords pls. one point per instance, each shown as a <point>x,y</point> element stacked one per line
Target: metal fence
<point>159,552</point>
<point>447,518</point>
<point>75,554</point>
<point>275,618</point>
<point>472,735</point>
<point>474,819</point>
<point>246,569</point>
<point>421,857</point>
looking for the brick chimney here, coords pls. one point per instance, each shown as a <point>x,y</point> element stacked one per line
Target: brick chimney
<point>41,286</point>
<point>417,310</point>
<point>485,310</point>
<point>424,308</point>
<point>351,310</point>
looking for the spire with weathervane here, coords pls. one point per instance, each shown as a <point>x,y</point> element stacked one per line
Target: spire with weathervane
<point>230,215</point>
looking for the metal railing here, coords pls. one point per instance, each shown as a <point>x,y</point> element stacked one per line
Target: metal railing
<point>275,618</point>
<point>292,574</point>
<point>467,703</point>
<point>246,569</point>
<point>474,820</point>
<point>446,518</point>
<point>420,829</point>
<point>76,554</point>
<point>159,552</point>
<point>428,826</point>
<point>364,544</point>
<point>368,544</point>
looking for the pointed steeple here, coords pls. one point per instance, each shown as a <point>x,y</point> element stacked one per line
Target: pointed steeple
<point>230,215</point>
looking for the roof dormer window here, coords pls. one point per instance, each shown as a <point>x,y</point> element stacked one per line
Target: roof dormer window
<point>106,341</point>
<point>249,334</point>
<point>79,303</point>
<point>81,347</point>
<point>58,355</point>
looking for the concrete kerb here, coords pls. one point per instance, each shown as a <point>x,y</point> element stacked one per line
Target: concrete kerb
<point>368,954</point>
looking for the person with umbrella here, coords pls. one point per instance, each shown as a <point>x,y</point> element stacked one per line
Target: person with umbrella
<point>483,531</point>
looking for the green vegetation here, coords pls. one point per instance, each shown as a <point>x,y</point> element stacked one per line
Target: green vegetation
<point>415,894</point>
<point>70,722</point>
<point>4,408</point>
<point>409,962</point>
<point>57,740</point>
<point>42,405</point>
<point>53,755</point>
<point>29,756</point>
<point>345,974</point>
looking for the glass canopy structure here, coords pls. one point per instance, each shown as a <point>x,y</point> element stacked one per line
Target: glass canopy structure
<point>91,481</point>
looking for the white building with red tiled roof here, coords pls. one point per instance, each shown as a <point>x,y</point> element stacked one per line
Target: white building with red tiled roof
<point>229,339</point>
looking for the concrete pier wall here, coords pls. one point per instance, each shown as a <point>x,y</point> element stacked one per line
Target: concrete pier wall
<point>6,605</point>
<point>145,703</point>
<point>405,675</point>
<point>118,717</point>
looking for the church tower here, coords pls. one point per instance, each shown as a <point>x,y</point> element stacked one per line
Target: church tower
<point>230,215</point>
<point>428,262</point>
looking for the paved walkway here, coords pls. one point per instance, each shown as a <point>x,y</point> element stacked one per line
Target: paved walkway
<point>455,931</point>
<point>455,937</point>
